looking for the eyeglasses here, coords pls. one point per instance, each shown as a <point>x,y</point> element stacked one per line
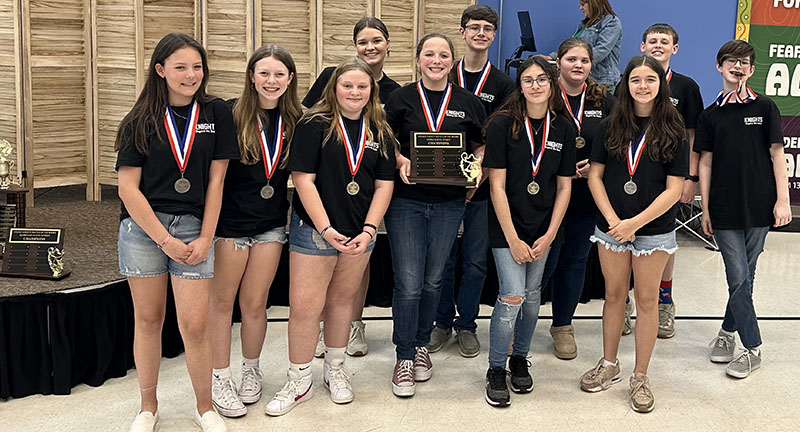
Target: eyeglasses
<point>528,82</point>
<point>475,28</point>
<point>731,61</point>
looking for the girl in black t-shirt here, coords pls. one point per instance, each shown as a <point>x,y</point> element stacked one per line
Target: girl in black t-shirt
<point>342,164</point>
<point>587,103</point>
<point>174,148</point>
<point>530,155</point>
<point>638,165</point>
<point>252,223</point>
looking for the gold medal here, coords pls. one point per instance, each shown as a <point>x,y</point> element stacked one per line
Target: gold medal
<point>533,187</point>
<point>353,188</point>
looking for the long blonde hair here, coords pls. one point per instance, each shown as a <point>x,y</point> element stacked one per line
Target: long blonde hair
<point>246,111</point>
<point>328,110</point>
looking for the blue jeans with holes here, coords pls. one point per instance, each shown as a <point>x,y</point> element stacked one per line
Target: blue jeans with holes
<point>740,250</point>
<point>525,281</point>
<point>419,236</point>
<point>474,245</point>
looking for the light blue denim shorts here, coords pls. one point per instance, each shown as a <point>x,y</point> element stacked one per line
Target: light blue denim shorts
<point>275,235</point>
<point>305,239</point>
<point>139,255</point>
<point>641,245</point>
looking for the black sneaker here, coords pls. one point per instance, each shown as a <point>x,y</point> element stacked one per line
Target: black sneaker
<point>496,389</point>
<point>521,380</point>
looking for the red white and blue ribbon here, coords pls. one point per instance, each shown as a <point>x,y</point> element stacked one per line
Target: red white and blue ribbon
<point>734,96</point>
<point>635,152</point>
<point>271,155</point>
<point>536,154</point>
<point>434,124</point>
<point>576,116</point>
<point>182,144</point>
<point>669,74</point>
<point>461,73</point>
<point>354,153</point>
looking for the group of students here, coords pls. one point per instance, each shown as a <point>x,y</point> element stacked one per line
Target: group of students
<point>203,184</point>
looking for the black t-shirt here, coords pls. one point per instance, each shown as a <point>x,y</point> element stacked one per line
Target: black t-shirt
<point>329,162</point>
<point>743,190</point>
<point>215,138</point>
<point>386,86</point>
<point>244,212</point>
<point>530,213</point>
<point>581,201</point>
<point>650,178</point>
<point>405,115</point>
<point>495,91</point>
<point>685,96</point>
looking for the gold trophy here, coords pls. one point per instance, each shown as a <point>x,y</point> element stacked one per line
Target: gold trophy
<point>55,258</point>
<point>470,166</point>
<point>5,164</point>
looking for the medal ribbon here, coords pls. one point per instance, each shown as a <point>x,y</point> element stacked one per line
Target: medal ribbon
<point>434,124</point>
<point>536,154</point>
<point>182,144</point>
<point>461,73</point>
<point>635,153</point>
<point>578,116</point>
<point>669,74</point>
<point>354,154</point>
<point>734,96</point>
<point>271,156</point>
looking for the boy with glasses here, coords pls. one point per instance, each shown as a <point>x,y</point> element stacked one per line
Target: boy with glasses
<point>744,185</point>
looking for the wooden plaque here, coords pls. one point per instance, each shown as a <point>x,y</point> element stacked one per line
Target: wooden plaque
<point>436,158</point>
<point>26,253</point>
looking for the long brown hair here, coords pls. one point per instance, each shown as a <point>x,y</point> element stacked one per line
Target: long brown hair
<point>666,129</point>
<point>595,92</point>
<point>515,105</point>
<point>597,9</point>
<point>247,111</point>
<point>328,110</point>
<point>147,113</point>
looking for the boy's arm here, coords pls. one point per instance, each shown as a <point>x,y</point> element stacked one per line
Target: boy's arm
<point>704,170</point>
<point>781,211</point>
<point>689,186</point>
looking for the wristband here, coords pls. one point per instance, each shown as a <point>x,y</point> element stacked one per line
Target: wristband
<point>165,241</point>
<point>322,233</point>
<point>371,226</point>
<point>369,234</point>
<point>693,178</point>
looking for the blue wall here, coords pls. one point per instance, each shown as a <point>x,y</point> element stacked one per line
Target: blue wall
<point>703,26</point>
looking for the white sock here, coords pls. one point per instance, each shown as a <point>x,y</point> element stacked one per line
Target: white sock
<point>250,363</point>
<point>725,333</point>
<point>301,369</point>
<point>608,363</point>
<point>334,356</point>
<point>224,373</point>
<point>756,351</point>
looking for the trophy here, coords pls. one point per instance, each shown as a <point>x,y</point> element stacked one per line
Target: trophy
<point>55,261</point>
<point>470,167</point>
<point>5,163</point>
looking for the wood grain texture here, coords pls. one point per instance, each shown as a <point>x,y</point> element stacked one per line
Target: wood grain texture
<point>399,17</point>
<point>288,23</point>
<point>226,44</point>
<point>444,16</point>
<point>9,76</point>
<point>338,19</point>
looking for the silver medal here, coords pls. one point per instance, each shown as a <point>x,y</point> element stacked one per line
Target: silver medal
<point>580,142</point>
<point>533,187</point>
<point>353,188</point>
<point>267,192</point>
<point>182,185</point>
<point>630,187</point>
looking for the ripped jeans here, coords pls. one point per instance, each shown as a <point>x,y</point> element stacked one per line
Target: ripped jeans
<point>521,281</point>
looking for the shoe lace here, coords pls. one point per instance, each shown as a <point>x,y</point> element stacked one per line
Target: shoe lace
<point>227,392</point>
<point>665,317</point>
<point>744,358</point>
<point>722,342</point>
<point>497,378</point>
<point>518,365</point>
<point>422,356</point>
<point>289,390</point>
<point>641,386</point>
<point>357,334</point>
<point>339,377</point>
<point>405,371</point>
<point>597,371</point>
<point>251,379</point>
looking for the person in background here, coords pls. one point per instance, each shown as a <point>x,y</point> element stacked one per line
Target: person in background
<point>603,30</point>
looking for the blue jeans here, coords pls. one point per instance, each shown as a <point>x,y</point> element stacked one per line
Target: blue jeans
<point>474,245</point>
<point>523,280</point>
<point>740,250</point>
<point>566,264</point>
<point>419,235</point>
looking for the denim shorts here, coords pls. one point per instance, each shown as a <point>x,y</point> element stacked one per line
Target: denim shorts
<point>305,239</point>
<point>139,255</point>
<point>275,235</point>
<point>641,245</point>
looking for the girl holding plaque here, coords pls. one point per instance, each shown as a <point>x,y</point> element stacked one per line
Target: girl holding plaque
<point>342,164</point>
<point>371,39</point>
<point>174,148</point>
<point>252,224</point>
<point>530,155</point>
<point>423,219</point>
<point>638,167</point>
<point>587,102</point>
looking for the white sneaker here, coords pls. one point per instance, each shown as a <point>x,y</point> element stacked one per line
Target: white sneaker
<point>250,390</point>
<point>337,381</point>
<point>357,345</point>
<point>225,398</point>
<point>295,391</point>
<point>144,422</point>
<point>319,352</point>
<point>210,422</point>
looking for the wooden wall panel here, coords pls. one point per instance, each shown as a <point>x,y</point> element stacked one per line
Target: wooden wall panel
<point>166,16</point>
<point>444,16</point>
<point>400,19</point>
<point>10,102</point>
<point>226,40</point>
<point>336,29</point>
<point>288,23</point>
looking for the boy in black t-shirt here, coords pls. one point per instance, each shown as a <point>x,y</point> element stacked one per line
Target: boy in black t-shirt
<point>475,73</point>
<point>744,185</point>
<point>660,41</point>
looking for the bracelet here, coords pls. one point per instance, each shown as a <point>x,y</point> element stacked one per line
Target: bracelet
<point>369,234</point>
<point>322,233</point>
<point>165,241</point>
<point>693,178</point>
<point>371,226</point>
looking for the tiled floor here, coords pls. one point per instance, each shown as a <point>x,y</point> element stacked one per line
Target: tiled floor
<point>691,393</point>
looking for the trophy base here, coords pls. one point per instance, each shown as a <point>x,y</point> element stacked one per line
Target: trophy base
<point>444,181</point>
<point>43,276</point>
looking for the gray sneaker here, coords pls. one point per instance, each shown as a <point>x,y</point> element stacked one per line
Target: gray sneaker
<point>722,348</point>
<point>746,362</point>
<point>319,351</point>
<point>666,321</point>
<point>641,396</point>
<point>600,377</point>
<point>627,328</point>
<point>439,337</point>
<point>468,344</point>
